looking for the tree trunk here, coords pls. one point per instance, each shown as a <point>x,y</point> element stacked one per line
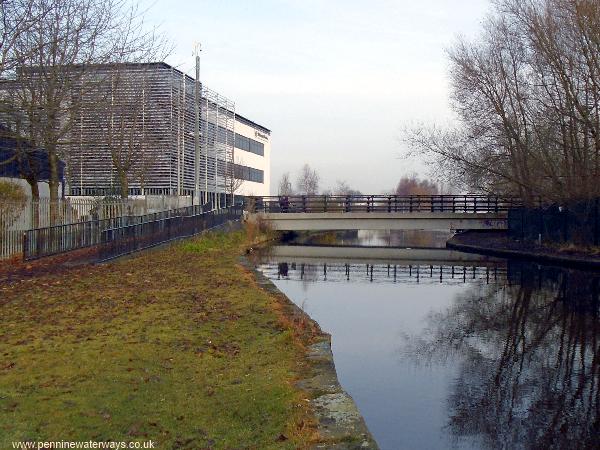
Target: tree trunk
<point>53,184</point>
<point>124,184</point>
<point>35,202</point>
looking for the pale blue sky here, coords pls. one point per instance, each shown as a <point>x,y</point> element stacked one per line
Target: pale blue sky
<point>334,80</point>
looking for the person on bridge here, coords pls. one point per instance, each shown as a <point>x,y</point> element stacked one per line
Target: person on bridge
<point>284,204</point>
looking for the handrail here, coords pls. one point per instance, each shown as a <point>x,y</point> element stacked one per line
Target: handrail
<point>469,203</point>
<point>151,228</point>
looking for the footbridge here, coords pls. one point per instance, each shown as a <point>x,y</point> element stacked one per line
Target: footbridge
<point>382,212</point>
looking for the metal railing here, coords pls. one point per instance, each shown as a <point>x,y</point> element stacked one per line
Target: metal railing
<point>381,203</point>
<point>17,217</point>
<point>130,238</point>
<point>576,222</point>
<point>113,237</point>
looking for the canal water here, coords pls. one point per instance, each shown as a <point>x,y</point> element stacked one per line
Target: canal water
<point>449,350</point>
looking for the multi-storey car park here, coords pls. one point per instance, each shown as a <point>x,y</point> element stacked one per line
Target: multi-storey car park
<point>142,119</point>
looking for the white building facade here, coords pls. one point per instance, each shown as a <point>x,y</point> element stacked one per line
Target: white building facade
<point>252,157</point>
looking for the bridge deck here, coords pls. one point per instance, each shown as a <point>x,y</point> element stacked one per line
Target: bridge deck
<point>391,212</point>
<point>384,221</point>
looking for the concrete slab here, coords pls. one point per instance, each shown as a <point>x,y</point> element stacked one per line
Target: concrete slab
<point>383,221</point>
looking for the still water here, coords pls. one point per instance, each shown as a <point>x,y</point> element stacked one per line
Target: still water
<point>449,350</point>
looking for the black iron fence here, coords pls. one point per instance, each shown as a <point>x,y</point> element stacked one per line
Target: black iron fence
<point>381,203</point>
<point>575,222</point>
<point>130,238</point>
<point>113,237</point>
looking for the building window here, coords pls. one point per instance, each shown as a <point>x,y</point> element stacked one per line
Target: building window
<point>249,174</point>
<point>249,145</point>
<point>242,142</point>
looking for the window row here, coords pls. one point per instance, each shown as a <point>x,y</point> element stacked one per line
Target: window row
<point>224,135</point>
<point>249,174</point>
<point>249,145</point>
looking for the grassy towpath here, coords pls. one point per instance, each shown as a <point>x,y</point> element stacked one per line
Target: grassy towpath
<point>177,345</point>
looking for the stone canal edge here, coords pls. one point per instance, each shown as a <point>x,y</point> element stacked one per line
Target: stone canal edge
<point>498,244</point>
<point>339,422</point>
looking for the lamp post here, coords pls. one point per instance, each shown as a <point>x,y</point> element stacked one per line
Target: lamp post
<point>197,50</point>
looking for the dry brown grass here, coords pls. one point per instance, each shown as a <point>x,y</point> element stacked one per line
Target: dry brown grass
<point>179,345</point>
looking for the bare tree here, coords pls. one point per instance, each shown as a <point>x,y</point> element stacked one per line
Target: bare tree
<point>233,178</point>
<point>120,117</point>
<point>285,185</point>
<point>308,181</point>
<point>16,18</point>
<point>343,188</point>
<point>56,61</point>
<point>527,95</point>
<point>413,185</point>
<point>16,151</point>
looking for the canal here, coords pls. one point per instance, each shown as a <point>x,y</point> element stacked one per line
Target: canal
<point>447,350</point>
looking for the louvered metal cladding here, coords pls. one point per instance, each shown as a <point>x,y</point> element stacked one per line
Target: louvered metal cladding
<point>162,123</point>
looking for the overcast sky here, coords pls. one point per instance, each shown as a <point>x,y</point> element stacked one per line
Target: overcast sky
<point>334,80</point>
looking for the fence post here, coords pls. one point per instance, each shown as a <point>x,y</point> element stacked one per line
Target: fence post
<point>31,218</point>
<point>522,224</point>
<point>565,224</point>
<point>541,225</point>
<point>596,230</point>
<point>25,245</point>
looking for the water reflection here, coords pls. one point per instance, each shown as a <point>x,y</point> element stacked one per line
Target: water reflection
<point>398,238</point>
<point>351,263</point>
<point>528,353</point>
<point>460,351</point>
<point>377,273</point>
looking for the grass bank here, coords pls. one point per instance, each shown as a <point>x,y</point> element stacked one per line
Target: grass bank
<point>178,345</point>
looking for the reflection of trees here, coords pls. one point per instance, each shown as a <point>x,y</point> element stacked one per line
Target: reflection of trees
<point>529,369</point>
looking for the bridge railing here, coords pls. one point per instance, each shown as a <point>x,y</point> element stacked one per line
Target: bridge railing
<point>381,203</point>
